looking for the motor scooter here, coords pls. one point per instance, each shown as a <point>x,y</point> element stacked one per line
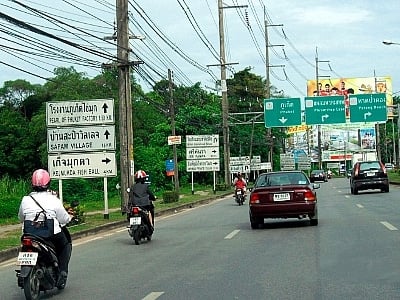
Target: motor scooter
<point>240,196</point>
<point>139,224</point>
<point>39,266</point>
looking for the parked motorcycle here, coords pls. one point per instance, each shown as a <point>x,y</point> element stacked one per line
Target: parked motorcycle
<point>240,197</point>
<point>39,266</point>
<point>139,224</point>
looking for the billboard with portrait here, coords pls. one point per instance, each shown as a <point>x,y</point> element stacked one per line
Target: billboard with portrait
<point>347,86</point>
<point>367,137</point>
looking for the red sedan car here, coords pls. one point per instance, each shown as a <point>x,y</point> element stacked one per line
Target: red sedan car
<point>286,194</point>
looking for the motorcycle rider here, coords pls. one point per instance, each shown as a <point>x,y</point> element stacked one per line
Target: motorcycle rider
<point>140,195</point>
<point>240,183</point>
<point>54,210</point>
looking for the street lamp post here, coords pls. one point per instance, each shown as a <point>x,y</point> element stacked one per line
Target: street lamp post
<point>389,42</point>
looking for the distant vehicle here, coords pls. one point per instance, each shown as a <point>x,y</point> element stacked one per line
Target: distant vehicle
<point>285,194</point>
<point>368,175</point>
<point>318,175</point>
<point>389,166</point>
<point>363,156</point>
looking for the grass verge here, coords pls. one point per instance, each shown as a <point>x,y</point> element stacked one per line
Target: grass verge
<point>11,238</point>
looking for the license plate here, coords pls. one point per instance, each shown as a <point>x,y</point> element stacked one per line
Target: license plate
<point>282,197</point>
<point>370,173</point>
<point>135,220</point>
<point>27,258</point>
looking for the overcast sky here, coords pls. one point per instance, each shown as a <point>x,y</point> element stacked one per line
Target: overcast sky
<point>348,34</point>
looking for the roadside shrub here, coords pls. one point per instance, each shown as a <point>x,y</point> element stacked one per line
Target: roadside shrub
<point>170,196</point>
<point>9,206</point>
<point>221,187</point>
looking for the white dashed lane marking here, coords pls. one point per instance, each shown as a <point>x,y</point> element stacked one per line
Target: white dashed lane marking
<point>232,234</point>
<point>153,296</point>
<point>388,225</point>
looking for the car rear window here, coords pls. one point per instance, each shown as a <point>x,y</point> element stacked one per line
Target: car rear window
<point>281,179</point>
<point>369,165</point>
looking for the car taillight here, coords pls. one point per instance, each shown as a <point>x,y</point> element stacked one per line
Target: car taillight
<point>309,196</point>
<point>356,169</point>
<point>254,198</point>
<point>383,167</point>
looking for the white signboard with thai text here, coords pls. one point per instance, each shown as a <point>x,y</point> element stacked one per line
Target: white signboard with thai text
<point>84,138</point>
<point>202,165</point>
<point>202,140</point>
<point>202,153</point>
<point>82,165</point>
<point>84,112</point>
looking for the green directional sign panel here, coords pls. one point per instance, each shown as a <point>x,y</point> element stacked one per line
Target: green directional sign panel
<point>282,112</point>
<point>368,107</point>
<point>325,110</point>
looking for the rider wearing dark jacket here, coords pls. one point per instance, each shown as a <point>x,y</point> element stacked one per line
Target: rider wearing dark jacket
<point>140,195</point>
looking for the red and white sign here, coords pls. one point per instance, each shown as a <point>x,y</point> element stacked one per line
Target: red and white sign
<point>174,140</point>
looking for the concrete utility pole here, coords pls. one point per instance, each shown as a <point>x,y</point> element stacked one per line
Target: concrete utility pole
<point>172,115</point>
<point>125,103</point>
<point>268,91</point>
<point>270,138</point>
<point>224,89</point>
<point>224,94</point>
<point>318,94</point>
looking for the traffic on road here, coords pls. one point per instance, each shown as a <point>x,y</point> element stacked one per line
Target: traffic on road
<point>351,254</point>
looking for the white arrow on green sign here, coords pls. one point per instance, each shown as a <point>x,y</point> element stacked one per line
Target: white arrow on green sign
<point>282,112</point>
<point>368,107</point>
<point>325,110</point>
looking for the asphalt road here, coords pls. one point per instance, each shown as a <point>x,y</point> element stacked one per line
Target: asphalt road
<point>210,252</point>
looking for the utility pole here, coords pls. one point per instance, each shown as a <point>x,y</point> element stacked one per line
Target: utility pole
<point>224,94</point>
<point>319,126</point>
<point>125,103</point>
<point>172,115</point>
<point>268,86</point>
<point>224,89</point>
<point>377,132</point>
<point>268,91</point>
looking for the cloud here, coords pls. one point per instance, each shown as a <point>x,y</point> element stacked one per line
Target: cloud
<point>331,15</point>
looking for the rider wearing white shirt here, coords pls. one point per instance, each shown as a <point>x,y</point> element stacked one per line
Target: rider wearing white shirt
<point>54,210</point>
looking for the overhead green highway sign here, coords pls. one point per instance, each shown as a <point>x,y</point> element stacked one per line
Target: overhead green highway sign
<point>282,112</point>
<point>368,107</point>
<point>325,110</point>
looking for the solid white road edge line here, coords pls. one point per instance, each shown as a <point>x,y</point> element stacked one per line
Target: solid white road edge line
<point>388,225</point>
<point>232,234</point>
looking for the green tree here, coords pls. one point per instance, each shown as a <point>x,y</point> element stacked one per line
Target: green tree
<point>17,157</point>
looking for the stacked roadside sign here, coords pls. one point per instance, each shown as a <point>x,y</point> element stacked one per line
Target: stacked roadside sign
<point>255,163</point>
<point>202,153</point>
<point>239,164</point>
<point>287,162</point>
<point>304,162</point>
<point>81,139</point>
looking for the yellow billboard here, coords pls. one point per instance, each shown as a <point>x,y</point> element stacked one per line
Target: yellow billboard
<point>297,129</point>
<point>347,86</point>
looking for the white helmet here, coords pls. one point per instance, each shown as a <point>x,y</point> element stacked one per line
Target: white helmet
<point>140,174</point>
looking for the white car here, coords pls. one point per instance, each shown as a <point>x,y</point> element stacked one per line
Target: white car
<point>389,166</point>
